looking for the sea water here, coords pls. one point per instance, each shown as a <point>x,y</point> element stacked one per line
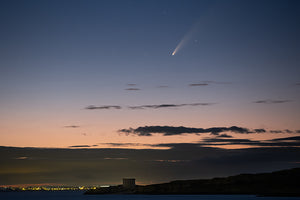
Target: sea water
<point>76,195</point>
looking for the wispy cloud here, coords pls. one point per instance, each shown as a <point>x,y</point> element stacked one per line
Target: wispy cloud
<point>169,105</point>
<point>247,143</point>
<point>81,146</point>
<point>129,146</point>
<point>222,141</point>
<point>198,84</point>
<point>206,83</point>
<point>115,158</point>
<point>72,126</point>
<point>260,130</point>
<point>224,136</point>
<point>269,101</point>
<point>162,86</point>
<point>132,89</point>
<point>275,131</point>
<point>288,131</point>
<point>22,158</point>
<point>283,131</point>
<point>131,84</point>
<point>179,130</point>
<point>154,106</point>
<point>92,107</point>
<point>278,142</point>
<point>220,132</point>
<point>287,138</point>
<point>172,161</point>
<point>124,144</point>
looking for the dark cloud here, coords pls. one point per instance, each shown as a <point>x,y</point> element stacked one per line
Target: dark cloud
<point>116,144</point>
<point>91,107</point>
<point>156,106</point>
<point>278,142</point>
<point>169,105</point>
<point>131,84</point>
<point>296,138</point>
<point>206,83</point>
<point>284,131</point>
<point>275,131</point>
<point>218,82</point>
<point>125,144</point>
<point>288,131</point>
<point>214,141</point>
<point>260,130</point>
<point>80,146</point>
<point>224,136</point>
<point>185,146</point>
<point>132,89</point>
<point>72,126</point>
<point>198,84</point>
<point>268,101</point>
<point>171,130</point>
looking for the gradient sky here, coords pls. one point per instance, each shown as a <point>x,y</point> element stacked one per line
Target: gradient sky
<point>98,74</point>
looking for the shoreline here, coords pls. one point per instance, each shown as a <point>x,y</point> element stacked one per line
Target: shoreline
<point>279,183</point>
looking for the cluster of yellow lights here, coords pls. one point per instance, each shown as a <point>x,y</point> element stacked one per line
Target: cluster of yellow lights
<point>57,188</point>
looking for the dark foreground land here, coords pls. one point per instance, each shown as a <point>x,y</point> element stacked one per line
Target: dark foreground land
<point>279,183</point>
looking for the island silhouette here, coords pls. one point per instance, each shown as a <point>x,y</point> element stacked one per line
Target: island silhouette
<point>279,183</point>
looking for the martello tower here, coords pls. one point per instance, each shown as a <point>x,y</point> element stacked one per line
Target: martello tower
<point>128,182</point>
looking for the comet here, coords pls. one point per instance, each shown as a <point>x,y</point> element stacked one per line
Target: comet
<point>186,38</point>
<point>198,26</point>
<point>181,44</point>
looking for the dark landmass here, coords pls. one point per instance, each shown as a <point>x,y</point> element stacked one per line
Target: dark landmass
<point>279,183</point>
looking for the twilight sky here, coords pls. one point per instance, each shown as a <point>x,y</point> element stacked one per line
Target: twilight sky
<point>201,79</point>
